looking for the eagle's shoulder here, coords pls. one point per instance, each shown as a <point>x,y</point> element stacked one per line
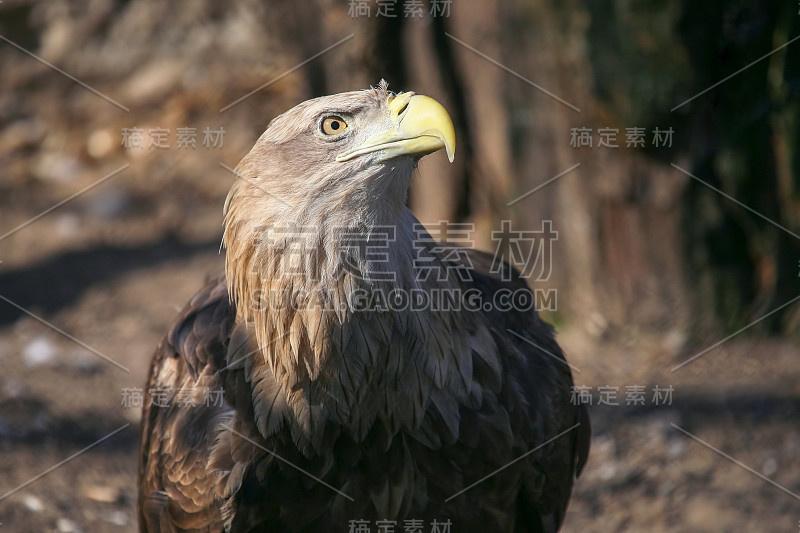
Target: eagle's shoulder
<point>201,333</point>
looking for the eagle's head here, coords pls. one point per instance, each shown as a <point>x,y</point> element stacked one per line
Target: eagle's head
<point>325,175</point>
<point>344,158</point>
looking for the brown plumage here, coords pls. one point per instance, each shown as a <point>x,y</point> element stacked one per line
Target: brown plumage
<point>335,410</point>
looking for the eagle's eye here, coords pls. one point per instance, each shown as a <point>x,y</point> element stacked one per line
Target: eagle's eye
<point>333,125</point>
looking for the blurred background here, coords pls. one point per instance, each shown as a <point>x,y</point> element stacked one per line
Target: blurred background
<point>660,141</point>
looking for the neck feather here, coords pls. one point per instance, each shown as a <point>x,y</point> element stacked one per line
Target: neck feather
<point>313,291</point>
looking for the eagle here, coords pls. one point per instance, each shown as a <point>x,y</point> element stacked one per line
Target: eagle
<point>347,372</point>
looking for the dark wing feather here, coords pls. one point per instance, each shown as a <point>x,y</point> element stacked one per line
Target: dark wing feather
<point>177,489</point>
<point>540,380</point>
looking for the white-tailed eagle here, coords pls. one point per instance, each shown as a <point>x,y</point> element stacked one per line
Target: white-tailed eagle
<point>308,390</point>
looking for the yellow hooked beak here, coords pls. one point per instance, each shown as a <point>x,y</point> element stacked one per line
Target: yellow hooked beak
<point>420,126</point>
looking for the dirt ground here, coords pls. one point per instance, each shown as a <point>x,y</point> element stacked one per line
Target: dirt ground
<point>87,290</point>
